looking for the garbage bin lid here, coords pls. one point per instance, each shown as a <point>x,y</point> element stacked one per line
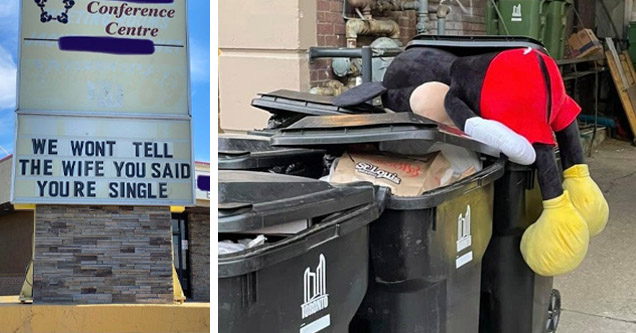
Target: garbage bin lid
<point>248,152</point>
<point>474,45</point>
<point>390,130</point>
<point>307,104</point>
<point>251,200</point>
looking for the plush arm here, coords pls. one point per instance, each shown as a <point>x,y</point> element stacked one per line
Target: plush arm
<point>570,148</point>
<point>490,132</point>
<point>586,196</point>
<point>557,242</point>
<point>549,178</point>
<point>457,109</point>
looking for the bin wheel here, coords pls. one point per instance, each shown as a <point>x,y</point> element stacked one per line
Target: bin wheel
<point>554,312</point>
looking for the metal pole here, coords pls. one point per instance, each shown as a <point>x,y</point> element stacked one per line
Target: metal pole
<point>441,26</point>
<point>329,52</point>
<point>595,108</point>
<point>366,64</point>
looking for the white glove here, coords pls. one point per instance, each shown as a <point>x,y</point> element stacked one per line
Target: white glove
<point>497,135</point>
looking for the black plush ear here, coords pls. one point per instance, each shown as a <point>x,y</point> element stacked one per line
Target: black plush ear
<point>360,94</point>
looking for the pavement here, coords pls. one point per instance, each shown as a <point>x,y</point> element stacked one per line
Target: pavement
<point>600,296</point>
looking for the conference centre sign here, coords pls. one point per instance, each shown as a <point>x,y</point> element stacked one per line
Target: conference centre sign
<point>103,112</point>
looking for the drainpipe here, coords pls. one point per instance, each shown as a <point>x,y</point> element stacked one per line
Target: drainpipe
<point>442,12</point>
<point>357,27</point>
<point>422,17</point>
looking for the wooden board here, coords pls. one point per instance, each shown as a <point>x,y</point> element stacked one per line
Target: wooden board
<point>619,76</point>
<point>630,64</point>
<point>628,73</point>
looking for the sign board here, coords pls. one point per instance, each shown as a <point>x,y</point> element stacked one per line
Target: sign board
<point>106,161</point>
<point>126,57</point>
<point>103,104</point>
<point>202,185</point>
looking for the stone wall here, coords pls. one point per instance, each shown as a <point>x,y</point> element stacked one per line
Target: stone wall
<point>199,249</point>
<point>110,254</point>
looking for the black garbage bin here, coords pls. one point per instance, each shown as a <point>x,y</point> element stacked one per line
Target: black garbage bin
<point>425,251</point>
<point>513,298</point>
<point>253,152</point>
<point>308,280</point>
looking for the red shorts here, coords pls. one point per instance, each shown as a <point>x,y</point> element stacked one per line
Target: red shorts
<point>514,93</point>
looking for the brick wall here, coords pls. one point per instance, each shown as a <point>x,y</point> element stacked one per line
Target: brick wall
<point>199,249</point>
<point>331,27</point>
<point>102,255</point>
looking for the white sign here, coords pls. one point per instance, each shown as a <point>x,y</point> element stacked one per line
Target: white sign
<point>87,56</point>
<point>111,161</point>
<point>103,104</point>
<point>201,194</point>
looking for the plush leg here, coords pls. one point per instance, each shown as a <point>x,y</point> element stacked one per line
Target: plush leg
<point>490,132</point>
<point>557,242</point>
<point>584,193</point>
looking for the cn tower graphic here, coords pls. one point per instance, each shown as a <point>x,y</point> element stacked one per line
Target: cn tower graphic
<point>464,238</point>
<point>315,289</point>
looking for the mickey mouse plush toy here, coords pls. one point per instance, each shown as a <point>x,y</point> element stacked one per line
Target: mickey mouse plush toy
<point>512,100</point>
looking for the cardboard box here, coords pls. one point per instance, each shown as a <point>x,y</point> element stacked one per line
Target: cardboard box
<point>584,43</point>
<point>405,176</point>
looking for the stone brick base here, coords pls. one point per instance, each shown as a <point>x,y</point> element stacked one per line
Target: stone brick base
<point>106,254</point>
<point>199,244</point>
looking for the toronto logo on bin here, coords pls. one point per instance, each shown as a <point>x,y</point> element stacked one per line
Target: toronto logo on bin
<point>464,239</point>
<point>516,13</point>
<point>315,289</point>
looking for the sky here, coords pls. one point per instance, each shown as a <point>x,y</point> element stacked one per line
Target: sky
<point>199,30</point>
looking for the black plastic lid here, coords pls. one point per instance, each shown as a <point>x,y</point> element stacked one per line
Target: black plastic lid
<point>307,104</point>
<point>255,200</point>
<point>474,45</point>
<point>334,226</point>
<point>404,133</point>
<point>250,152</point>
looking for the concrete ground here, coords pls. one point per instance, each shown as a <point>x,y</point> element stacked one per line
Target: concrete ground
<point>600,296</point>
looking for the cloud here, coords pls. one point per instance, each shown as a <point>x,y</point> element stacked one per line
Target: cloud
<point>199,62</point>
<point>6,130</point>
<point>8,72</point>
<point>9,26</point>
<point>9,8</point>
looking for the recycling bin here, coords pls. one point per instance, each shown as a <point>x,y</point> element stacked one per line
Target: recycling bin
<point>523,18</point>
<point>306,280</point>
<point>425,251</point>
<point>253,152</point>
<point>555,29</point>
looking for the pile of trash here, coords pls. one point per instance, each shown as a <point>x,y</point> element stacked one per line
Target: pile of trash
<point>405,175</point>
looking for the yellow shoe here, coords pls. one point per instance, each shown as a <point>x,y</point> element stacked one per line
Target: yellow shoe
<point>557,242</point>
<point>586,197</point>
